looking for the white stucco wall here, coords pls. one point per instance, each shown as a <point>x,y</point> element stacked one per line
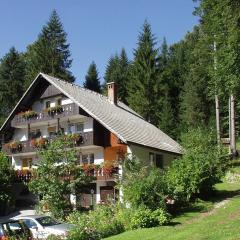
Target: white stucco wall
<point>142,153</point>
<point>39,106</point>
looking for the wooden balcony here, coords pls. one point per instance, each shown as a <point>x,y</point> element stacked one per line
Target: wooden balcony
<point>66,111</point>
<point>102,175</point>
<point>28,147</point>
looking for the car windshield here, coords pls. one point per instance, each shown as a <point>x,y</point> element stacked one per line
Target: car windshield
<point>47,221</point>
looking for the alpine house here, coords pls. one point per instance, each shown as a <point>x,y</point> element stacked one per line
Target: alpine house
<point>107,129</point>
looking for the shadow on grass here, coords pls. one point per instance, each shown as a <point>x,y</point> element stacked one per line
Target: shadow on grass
<point>204,205</point>
<point>220,195</point>
<point>173,224</point>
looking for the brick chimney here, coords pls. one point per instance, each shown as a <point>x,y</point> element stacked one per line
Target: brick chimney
<point>112,92</point>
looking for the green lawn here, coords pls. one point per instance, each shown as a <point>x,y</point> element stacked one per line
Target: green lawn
<point>202,222</point>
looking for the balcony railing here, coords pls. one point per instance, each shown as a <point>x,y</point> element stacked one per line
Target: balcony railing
<point>28,146</point>
<point>66,111</point>
<point>27,175</point>
<point>103,174</point>
<point>23,175</point>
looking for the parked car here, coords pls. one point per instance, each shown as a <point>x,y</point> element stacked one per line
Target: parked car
<point>14,228</point>
<point>42,226</point>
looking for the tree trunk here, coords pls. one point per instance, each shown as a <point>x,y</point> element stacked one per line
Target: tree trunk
<point>233,127</point>
<point>217,120</point>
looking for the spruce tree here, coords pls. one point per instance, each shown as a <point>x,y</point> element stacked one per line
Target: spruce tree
<point>12,73</point>
<point>166,116</point>
<point>92,80</point>
<point>50,53</point>
<point>144,76</point>
<point>118,71</point>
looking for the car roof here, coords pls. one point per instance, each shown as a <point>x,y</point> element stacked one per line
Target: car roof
<point>30,216</point>
<point>9,221</point>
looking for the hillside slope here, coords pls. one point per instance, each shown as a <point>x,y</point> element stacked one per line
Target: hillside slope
<point>219,219</point>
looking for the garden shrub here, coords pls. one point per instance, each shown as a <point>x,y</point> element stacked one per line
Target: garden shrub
<point>54,237</point>
<point>6,185</point>
<point>100,223</point>
<point>199,169</point>
<point>145,218</point>
<point>143,185</point>
<point>161,216</point>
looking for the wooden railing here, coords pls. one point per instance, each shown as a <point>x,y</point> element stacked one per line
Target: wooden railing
<point>23,175</point>
<point>27,175</point>
<point>66,111</point>
<point>27,146</point>
<point>101,174</point>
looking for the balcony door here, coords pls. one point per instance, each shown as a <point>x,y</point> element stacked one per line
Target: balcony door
<point>26,163</point>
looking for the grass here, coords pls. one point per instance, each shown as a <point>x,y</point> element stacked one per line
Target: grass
<point>202,222</point>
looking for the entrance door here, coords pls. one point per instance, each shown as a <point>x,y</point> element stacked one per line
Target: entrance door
<point>107,194</point>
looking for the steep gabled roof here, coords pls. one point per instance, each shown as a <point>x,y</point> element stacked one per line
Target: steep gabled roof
<point>119,119</point>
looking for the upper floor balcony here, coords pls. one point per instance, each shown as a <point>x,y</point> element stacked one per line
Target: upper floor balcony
<point>30,117</point>
<point>17,147</point>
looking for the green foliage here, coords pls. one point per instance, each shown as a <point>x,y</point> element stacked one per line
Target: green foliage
<point>6,182</point>
<point>50,53</point>
<point>201,166</point>
<point>117,71</point>
<point>12,73</point>
<point>145,218</point>
<point>196,104</point>
<point>54,237</point>
<point>144,76</point>
<point>92,80</point>
<point>97,224</point>
<point>58,176</point>
<point>143,185</point>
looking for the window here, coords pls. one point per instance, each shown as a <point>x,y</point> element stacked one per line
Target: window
<point>151,158</point>
<point>88,158</point>
<point>75,127</point>
<point>35,134</point>
<point>79,127</point>
<point>30,223</point>
<point>59,102</point>
<point>52,131</point>
<point>71,128</point>
<point>159,161</point>
<point>48,104</point>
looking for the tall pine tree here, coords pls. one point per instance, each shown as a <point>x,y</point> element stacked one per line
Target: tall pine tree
<point>118,71</point>
<point>12,73</point>
<point>92,80</point>
<point>144,76</point>
<point>50,53</point>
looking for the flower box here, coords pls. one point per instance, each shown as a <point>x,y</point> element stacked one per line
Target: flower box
<point>29,114</point>
<point>54,110</point>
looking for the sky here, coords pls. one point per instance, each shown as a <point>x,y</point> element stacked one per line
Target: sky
<point>97,29</point>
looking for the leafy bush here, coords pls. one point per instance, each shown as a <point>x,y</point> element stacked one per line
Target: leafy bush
<point>199,169</point>
<point>6,184</point>
<point>99,223</point>
<point>145,218</point>
<point>143,185</point>
<point>54,237</point>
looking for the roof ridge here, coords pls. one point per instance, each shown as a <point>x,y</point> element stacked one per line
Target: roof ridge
<point>76,85</point>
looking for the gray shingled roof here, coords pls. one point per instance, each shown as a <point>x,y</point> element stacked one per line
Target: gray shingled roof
<point>119,119</point>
